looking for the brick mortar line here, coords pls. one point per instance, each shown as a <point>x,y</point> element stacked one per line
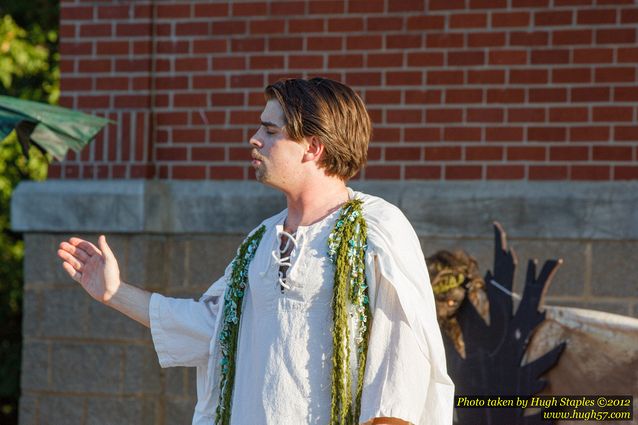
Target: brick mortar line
<point>484,29</point>
<point>595,29</point>
<point>380,50</point>
<point>611,84</point>
<point>451,162</point>
<point>407,50</point>
<point>528,49</point>
<point>366,16</point>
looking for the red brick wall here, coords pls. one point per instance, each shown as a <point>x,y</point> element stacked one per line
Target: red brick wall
<point>457,89</point>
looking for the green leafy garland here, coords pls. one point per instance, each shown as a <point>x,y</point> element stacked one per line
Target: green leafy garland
<point>346,249</point>
<point>347,245</point>
<point>228,336</point>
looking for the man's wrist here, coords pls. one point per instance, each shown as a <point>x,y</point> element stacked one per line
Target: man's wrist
<point>112,298</point>
<point>131,301</point>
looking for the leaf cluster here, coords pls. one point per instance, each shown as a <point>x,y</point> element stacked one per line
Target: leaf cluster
<point>28,65</point>
<point>29,70</point>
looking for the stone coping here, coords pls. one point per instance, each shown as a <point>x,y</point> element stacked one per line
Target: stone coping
<point>554,210</point>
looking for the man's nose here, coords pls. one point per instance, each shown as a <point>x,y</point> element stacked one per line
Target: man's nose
<point>254,141</point>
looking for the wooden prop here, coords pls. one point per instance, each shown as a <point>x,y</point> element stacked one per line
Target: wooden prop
<point>494,353</point>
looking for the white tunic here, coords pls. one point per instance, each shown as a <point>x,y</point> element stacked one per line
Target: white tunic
<point>285,343</point>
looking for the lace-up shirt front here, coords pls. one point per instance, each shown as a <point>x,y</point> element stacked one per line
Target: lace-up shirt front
<point>285,342</point>
<point>287,244</point>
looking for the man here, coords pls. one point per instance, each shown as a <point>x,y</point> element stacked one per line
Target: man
<point>337,268</point>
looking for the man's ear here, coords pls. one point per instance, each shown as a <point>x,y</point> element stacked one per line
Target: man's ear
<point>314,149</point>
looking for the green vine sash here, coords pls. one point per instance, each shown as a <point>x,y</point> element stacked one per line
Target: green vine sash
<point>347,245</point>
<point>229,333</point>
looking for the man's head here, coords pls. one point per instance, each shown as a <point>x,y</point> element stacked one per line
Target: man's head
<point>331,114</point>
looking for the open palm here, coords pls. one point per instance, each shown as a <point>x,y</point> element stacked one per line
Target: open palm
<point>94,268</point>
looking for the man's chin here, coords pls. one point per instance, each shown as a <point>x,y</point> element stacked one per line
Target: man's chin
<point>264,179</point>
<point>260,176</point>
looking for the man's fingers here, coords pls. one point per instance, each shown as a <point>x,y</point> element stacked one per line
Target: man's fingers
<point>75,275</point>
<point>87,246</point>
<point>76,251</point>
<point>70,259</point>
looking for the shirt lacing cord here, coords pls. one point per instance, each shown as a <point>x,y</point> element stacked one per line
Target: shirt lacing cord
<point>282,262</point>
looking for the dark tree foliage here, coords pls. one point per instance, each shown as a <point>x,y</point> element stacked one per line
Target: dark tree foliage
<point>29,70</point>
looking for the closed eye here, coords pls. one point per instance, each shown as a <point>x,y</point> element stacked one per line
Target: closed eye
<point>271,128</point>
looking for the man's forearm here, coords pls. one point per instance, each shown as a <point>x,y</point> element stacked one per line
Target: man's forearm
<point>133,302</point>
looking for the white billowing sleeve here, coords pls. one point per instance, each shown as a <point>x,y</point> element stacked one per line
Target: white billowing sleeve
<point>396,369</point>
<point>182,328</point>
<point>406,373</point>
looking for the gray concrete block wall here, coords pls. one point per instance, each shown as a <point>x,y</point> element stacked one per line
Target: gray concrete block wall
<point>90,365</point>
<point>86,364</point>
<point>597,275</point>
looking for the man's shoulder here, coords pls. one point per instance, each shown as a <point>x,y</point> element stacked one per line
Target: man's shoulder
<point>384,218</point>
<point>380,211</point>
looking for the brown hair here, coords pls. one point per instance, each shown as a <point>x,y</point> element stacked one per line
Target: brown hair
<point>331,111</point>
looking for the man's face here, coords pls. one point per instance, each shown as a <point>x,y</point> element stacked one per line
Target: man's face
<point>276,158</point>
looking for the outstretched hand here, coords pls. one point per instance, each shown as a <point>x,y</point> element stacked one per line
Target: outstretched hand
<point>94,268</point>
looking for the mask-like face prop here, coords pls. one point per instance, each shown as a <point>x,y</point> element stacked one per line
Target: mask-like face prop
<point>455,276</point>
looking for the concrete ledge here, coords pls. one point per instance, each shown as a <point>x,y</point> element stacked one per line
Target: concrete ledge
<point>63,205</point>
<point>553,210</point>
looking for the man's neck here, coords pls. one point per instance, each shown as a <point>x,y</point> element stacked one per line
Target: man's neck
<point>314,201</point>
